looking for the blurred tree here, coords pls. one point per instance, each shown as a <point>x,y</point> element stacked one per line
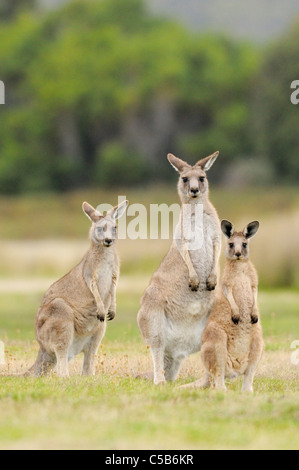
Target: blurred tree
<point>92,73</point>
<point>9,9</point>
<point>116,164</point>
<point>215,98</point>
<point>276,119</point>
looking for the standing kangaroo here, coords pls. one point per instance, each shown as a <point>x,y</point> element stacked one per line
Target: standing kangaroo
<point>232,343</point>
<point>181,295</point>
<point>72,317</point>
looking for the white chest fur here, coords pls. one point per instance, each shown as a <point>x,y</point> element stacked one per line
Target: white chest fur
<point>105,282</point>
<point>195,308</point>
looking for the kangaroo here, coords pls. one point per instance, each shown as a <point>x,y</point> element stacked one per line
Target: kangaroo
<point>72,317</point>
<point>181,295</point>
<point>232,343</point>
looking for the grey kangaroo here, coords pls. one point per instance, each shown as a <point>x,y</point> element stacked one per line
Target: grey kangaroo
<point>73,314</point>
<point>181,295</point>
<point>232,343</point>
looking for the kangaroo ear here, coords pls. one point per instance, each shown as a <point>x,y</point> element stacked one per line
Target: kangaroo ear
<point>227,228</point>
<point>207,163</point>
<point>251,229</point>
<point>119,210</point>
<point>91,212</point>
<point>178,164</point>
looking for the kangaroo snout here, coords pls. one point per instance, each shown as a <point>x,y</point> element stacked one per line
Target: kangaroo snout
<point>108,242</point>
<point>194,192</point>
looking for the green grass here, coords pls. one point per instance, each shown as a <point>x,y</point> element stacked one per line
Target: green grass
<point>280,318</point>
<point>122,413</point>
<point>114,410</point>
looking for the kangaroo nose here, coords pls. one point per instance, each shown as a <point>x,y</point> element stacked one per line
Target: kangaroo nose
<point>194,191</point>
<point>108,242</point>
<point>238,255</point>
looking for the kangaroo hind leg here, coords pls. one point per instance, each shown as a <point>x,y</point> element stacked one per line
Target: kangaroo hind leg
<point>172,367</point>
<point>55,332</point>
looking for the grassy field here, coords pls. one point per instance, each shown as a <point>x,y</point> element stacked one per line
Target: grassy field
<point>114,410</point>
<point>41,238</point>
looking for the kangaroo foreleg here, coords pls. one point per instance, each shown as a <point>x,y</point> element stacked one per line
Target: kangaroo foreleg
<point>228,293</point>
<point>100,306</point>
<point>112,308</point>
<point>213,278</point>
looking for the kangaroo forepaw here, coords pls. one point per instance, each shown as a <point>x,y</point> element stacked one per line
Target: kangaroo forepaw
<point>111,315</point>
<point>212,283</point>
<point>101,317</point>
<point>194,284</point>
<point>236,319</point>
<point>211,286</point>
<point>254,319</point>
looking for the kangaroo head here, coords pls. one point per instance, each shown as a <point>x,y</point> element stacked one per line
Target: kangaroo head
<point>104,229</point>
<point>193,182</point>
<point>237,248</point>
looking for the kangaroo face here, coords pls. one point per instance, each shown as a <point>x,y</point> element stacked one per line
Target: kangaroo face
<point>104,228</point>
<point>237,248</point>
<point>104,232</point>
<point>193,181</point>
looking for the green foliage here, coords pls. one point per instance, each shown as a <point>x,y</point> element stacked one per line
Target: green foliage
<point>92,73</point>
<point>117,164</point>
<point>9,9</point>
<point>276,118</point>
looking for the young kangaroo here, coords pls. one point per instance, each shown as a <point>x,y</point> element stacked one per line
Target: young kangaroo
<point>181,295</point>
<point>232,343</point>
<point>72,317</point>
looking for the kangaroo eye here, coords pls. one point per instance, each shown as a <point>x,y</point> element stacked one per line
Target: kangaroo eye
<point>244,245</point>
<point>185,180</point>
<point>231,245</point>
<point>99,229</point>
<point>202,179</point>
